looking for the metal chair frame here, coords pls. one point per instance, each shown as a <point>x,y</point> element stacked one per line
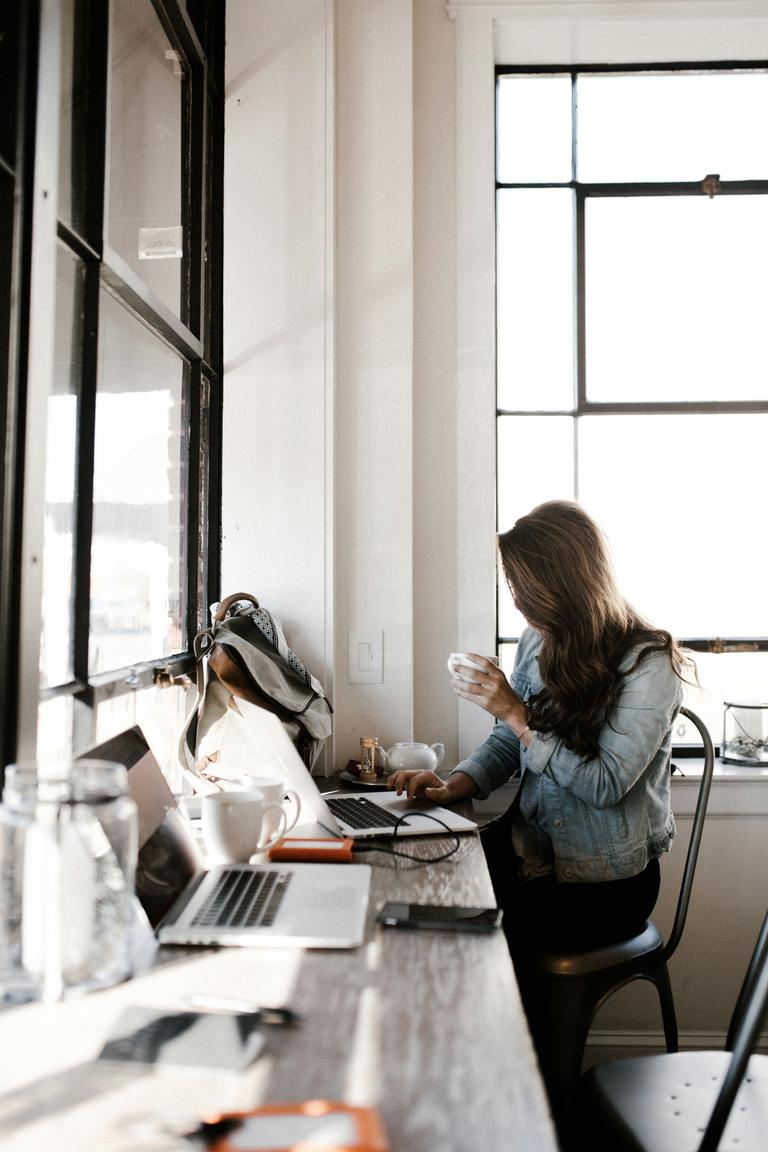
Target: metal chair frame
<point>609,1088</point>
<point>575,985</point>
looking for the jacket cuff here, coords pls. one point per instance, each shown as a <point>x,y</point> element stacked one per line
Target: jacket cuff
<point>539,753</point>
<point>477,773</point>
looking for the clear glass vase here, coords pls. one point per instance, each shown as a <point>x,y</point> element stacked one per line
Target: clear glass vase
<point>68,847</point>
<point>745,734</point>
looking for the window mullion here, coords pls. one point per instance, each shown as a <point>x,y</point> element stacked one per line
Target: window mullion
<point>86,426</point>
<point>195,510</point>
<point>580,302</point>
<point>123,282</point>
<point>93,30</point>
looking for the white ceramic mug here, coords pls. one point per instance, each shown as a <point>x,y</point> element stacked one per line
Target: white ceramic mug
<point>457,658</point>
<point>233,825</point>
<point>277,797</point>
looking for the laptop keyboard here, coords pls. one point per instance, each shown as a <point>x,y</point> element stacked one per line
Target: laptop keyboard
<point>243,898</point>
<point>359,812</point>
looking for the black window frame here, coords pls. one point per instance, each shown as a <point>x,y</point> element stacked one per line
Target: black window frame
<point>195,30</point>
<point>582,192</point>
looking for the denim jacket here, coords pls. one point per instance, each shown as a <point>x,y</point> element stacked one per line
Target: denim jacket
<point>597,819</point>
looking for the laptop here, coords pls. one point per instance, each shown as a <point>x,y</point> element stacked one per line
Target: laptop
<point>275,905</point>
<point>270,751</point>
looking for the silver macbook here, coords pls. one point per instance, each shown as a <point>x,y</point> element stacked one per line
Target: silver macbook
<point>357,814</point>
<point>280,905</point>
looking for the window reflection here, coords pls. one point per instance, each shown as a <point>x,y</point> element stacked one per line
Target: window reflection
<point>147,83</point>
<point>534,129</point>
<point>59,538</point>
<point>675,299</point>
<point>674,126</point>
<point>535,299</point>
<point>138,497</point>
<point>55,730</point>
<point>723,676</point>
<point>523,442</point>
<point>677,492</point>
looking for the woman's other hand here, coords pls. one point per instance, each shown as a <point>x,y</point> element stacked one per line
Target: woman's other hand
<point>430,786</point>
<point>489,687</point>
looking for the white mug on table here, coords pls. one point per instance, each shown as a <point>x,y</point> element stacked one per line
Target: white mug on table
<point>277,796</point>
<point>233,824</point>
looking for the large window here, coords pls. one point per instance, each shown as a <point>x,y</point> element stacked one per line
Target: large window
<point>128,508</point>
<point>632,349</point>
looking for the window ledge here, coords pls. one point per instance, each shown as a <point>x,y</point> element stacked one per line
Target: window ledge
<point>730,773</point>
<point>736,790</point>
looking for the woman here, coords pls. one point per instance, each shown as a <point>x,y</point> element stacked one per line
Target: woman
<point>586,720</point>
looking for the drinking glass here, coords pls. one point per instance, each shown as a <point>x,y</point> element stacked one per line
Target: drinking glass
<point>68,847</point>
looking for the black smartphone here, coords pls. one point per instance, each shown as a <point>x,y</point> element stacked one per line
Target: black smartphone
<point>444,916</point>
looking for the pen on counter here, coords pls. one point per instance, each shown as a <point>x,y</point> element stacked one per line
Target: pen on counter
<point>232,1004</point>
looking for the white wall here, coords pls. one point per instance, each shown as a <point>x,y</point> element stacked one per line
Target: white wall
<point>341,407</point>
<point>278,455</point>
<point>359,478</point>
<point>374,366</point>
<point>435,415</point>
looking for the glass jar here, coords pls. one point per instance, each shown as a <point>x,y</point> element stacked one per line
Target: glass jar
<point>745,734</point>
<point>68,847</point>
<point>371,759</point>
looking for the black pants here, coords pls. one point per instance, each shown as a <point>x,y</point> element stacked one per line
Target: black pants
<point>542,915</point>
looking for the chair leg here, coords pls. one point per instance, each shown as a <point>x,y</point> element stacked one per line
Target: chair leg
<point>664,988</point>
<point>560,1020</point>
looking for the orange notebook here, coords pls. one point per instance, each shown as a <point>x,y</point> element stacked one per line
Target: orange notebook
<point>309,1126</point>
<point>326,850</point>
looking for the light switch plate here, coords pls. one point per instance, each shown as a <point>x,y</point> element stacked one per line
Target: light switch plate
<point>366,657</point>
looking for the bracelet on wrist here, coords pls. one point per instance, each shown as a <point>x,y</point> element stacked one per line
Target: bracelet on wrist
<point>521,734</point>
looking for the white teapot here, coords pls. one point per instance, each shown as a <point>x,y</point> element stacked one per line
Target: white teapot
<point>411,755</point>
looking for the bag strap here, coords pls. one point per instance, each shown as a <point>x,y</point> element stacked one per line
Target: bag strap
<point>204,639</point>
<point>227,603</point>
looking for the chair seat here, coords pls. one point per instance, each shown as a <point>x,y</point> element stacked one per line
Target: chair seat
<point>611,957</point>
<point>662,1103</point>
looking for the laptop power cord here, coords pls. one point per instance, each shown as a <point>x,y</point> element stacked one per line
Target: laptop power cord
<point>402,822</point>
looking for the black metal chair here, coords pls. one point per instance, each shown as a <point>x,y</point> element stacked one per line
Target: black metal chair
<point>685,1100</point>
<point>573,986</point>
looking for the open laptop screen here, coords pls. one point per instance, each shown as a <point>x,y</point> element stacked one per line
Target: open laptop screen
<point>168,853</point>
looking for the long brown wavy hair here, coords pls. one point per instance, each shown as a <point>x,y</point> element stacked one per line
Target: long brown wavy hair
<point>558,568</point>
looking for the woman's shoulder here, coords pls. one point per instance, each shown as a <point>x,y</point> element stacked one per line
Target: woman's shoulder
<point>526,659</point>
<point>529,643</point>
<point>646,651</point>
<point>646,661</point>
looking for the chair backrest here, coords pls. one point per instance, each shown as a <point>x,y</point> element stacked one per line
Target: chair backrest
<point>748,1021</point>
<point>697,829</point>
<point>747,988</point>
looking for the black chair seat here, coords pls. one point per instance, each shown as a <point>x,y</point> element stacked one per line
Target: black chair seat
<point>663,1103</point>
<point>611,957</point>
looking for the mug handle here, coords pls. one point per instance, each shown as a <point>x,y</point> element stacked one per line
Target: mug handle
<point>289,794</point>
<point>281,829</point>
<point>439,750</point>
